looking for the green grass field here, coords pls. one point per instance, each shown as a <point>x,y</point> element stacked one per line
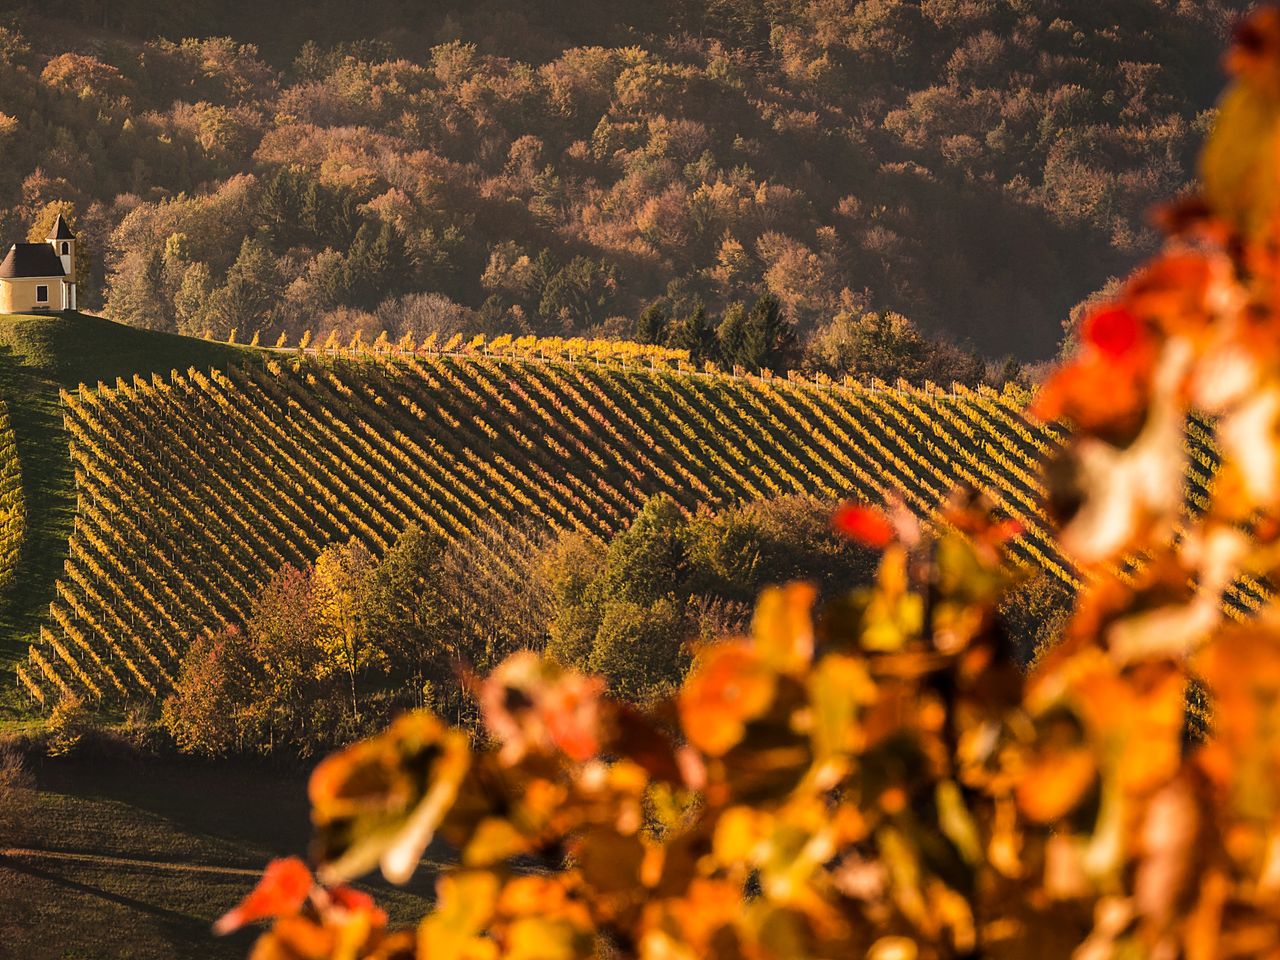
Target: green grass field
<point>116,859</point>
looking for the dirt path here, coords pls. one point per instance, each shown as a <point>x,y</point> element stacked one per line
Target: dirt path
<point>27,853</point>
<point>30,853</point>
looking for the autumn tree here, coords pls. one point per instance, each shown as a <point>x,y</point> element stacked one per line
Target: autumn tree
<point>343,577</point>
<point>286,640</point>
<point>203,712</point>
<point>980,141</point>
<point>332,650</point>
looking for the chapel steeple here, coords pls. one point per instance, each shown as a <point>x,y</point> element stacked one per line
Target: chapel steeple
<point>64,245</point>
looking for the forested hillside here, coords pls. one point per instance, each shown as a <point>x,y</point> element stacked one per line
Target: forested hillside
<point>968,167</point>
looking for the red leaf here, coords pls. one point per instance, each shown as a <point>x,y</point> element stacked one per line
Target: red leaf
<point>1113,331</point>
<point>864,524</point>
<point>283,889</point>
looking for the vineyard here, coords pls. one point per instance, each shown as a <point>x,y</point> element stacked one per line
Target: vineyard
<point>193,488</point>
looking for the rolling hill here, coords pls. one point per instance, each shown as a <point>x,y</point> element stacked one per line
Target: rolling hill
<point>184,473</point>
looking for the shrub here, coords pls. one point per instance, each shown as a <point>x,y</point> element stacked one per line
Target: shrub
<point>68,724</point>
<point>15,779</point>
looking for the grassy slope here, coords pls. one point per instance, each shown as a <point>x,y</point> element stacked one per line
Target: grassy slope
<point>39,355</point>
<point>231,817</point>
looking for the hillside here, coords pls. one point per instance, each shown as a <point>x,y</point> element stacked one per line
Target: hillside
<point>184,473</point>
<point>39,356</point>
<point>192,488</point>
<point>976,167</point>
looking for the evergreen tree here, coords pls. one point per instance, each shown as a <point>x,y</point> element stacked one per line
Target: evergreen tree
<point>652,325</point>
<point>280,208</point>
<point>330,219</point>
<point>577,294</point>
<point>252,289</point>
<point>732,332</point>
<point>544,267</point>
<point>377,264</point>
<point>295,209</point>
<point>696,334</point>
<point>191,302</point>
<point>137,291</point>
<point>768,338</point>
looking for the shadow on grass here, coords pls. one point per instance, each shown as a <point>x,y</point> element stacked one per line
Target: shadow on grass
<point>177,921</point>
<point>39,356</point>
<point>65,917</point>
<point>259,808</point>
<point>173,814</point>
<point>247,811</point>
<point>48,483</point>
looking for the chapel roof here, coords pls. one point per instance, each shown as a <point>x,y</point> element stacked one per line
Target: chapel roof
<point>31,260</point>
<point>60,230</point>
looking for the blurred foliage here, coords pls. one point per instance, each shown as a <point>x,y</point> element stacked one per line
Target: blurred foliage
<point>630,609</point>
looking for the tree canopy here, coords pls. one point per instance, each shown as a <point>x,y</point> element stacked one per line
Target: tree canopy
<point>976,167</point>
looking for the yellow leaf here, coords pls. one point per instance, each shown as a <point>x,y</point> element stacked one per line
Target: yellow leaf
<point>535,938</point>
<point>783,626</point>
<point>837,687</point>
<point>738,833</point>
<point>370,804</point>
<point>464,905</point>
<point>957,823</point>
<point>893,948</point>
<point>1239,160</point>
<point>494,840</point>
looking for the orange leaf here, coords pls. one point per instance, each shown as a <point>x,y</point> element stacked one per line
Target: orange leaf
<point>1053,787</point>
<point>730,687</point>
<point>283,889</point>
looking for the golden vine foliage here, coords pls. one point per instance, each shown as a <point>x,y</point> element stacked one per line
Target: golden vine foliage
<point>886,782</point>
